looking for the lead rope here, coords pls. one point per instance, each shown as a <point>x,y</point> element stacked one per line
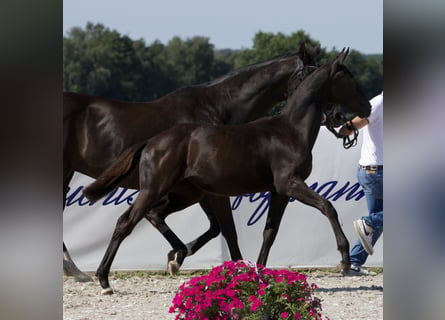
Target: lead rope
<point>348,142</point>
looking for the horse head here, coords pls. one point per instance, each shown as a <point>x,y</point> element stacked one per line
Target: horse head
<point>344,89</point>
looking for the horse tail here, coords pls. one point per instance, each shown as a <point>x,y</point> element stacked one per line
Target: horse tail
<point>114,174</point>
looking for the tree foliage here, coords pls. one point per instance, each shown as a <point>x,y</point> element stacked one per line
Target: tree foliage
<point>267,45</point>
<point>100,61</point>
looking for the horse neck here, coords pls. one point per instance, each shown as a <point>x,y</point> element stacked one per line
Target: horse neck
<point>304,108</point>
<point>251,94</point>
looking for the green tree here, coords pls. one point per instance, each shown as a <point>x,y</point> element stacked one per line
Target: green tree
<point>193,61</point>
<point>267,45</point>
<point>100,62</point>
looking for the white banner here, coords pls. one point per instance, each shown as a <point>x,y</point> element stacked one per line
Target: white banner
<point>305,238</point>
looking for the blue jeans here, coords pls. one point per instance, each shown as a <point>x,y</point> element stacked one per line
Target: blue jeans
<point>372,184</point>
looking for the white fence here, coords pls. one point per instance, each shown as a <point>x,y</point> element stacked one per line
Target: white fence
<point>305,238</point>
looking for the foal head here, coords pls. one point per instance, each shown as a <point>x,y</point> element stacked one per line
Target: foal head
<point>331,83</point>
<point>343,89</point>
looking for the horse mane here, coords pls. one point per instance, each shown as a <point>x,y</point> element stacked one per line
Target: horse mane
<point>250,67</point>
<point>242,71</point>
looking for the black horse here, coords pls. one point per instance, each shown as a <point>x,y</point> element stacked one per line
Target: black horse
<point>271,154</point>
<point>97,130</point>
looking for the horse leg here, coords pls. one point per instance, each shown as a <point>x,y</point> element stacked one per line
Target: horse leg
<point>301,192</point>
<point>185,195</point>
<point>124,226</point>
<point>177,255</point>
<point>69,267</point>
<point>278,204</point>
<point>219,213</point>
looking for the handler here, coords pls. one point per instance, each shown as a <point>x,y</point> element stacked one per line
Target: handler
<point>370,176</point>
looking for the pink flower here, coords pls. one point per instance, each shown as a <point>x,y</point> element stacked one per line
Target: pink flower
<point>257,303</point>
<point>224,286</point>
<point>285,296</point>
<point>189,303</point>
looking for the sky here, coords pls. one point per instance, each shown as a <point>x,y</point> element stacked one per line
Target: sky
<point>233,23</point>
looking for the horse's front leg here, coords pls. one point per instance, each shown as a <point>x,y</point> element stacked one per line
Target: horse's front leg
<point>182,197</point>
<point>278,204</point>
<point>219,213</point>
<point>220,217</point>
<point>301,192</point>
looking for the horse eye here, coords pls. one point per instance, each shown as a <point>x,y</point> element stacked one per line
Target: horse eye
<point>339,116</point>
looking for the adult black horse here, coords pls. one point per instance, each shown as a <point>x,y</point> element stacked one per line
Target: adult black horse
<point>97,130</point>
<point>270,154</point>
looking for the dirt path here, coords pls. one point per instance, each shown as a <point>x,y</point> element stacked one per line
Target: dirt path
<point>149,297</point>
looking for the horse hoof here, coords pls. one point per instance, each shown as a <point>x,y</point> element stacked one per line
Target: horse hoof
<point>71,270</point>
<point>345,267</point>
<point>173,267</point>
<point>83,278</point>
<point>107,291</point>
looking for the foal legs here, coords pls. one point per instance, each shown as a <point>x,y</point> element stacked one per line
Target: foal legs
<point>124,226</point>
<point>219,213</point>
<point>301,192</point>
<point>278,204</point>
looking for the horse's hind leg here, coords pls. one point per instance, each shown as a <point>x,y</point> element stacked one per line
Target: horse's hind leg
<point>124,226</point>
<point>301,192</point>
<point>69,267</point>
<point>278,204</point>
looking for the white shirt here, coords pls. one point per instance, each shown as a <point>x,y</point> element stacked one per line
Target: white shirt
<point>372,146</point>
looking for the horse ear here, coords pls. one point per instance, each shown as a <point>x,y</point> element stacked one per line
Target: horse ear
<point>309,54</point>
<point>338,61</point>
<point>302,53</point>
<point>317,50</point>
<point>343,54</point>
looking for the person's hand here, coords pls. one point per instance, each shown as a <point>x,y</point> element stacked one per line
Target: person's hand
<point>345,131</point>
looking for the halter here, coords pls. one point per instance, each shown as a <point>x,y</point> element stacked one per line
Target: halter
<point>301,71</point>
<point>347,141</point>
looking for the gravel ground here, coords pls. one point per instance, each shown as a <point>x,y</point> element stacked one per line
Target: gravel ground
<point>139,296</point>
